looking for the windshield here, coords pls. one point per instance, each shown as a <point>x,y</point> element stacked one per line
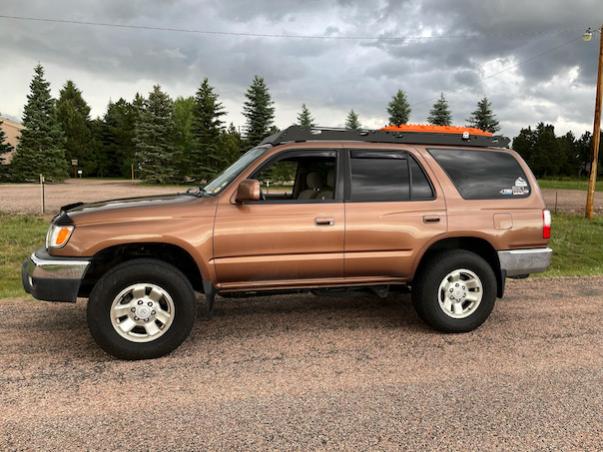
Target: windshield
<point>226,177</point>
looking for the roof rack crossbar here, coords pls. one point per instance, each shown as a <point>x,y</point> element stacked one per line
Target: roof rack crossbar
<point>301,134</point>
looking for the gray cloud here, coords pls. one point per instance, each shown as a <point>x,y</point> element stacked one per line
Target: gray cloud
<point>478,40</point>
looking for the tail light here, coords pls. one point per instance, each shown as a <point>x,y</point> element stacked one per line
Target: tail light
<point>546,224</point>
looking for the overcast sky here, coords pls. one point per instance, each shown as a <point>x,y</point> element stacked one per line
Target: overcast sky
<point>526,56</point>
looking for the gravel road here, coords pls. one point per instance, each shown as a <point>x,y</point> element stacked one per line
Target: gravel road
<point>309,372</point>
<point>25,198</point>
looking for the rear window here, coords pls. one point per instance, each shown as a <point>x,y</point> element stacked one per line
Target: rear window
<point>483,174</point>
<point>379,176</point>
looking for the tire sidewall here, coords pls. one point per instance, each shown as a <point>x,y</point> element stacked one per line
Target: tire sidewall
<point>427,294</point>
<point>132,272</point>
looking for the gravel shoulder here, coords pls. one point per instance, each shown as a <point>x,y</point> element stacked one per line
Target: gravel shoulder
<point>306,372</point>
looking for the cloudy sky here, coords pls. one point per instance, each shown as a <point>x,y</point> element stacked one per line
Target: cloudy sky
<point>526,56</point>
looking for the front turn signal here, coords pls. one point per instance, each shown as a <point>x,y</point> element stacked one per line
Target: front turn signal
<point>58,236</point>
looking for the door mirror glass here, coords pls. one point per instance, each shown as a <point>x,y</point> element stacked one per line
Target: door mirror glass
<point>249,190</point>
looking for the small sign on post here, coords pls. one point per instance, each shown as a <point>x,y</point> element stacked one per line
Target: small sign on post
<point>74,165</point>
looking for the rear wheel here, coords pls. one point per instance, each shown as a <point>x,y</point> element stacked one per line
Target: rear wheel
<point>141,309</point>
<point>455,291</point>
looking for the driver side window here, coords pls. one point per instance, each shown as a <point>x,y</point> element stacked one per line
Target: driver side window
<point>299,177</point>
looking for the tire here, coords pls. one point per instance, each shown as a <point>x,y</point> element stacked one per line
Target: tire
<point>454,305</point>
<point>151,294</point>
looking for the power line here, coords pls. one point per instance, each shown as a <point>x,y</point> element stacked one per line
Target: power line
<point>271,35</point>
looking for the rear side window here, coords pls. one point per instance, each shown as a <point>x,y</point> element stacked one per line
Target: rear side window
<point>483,174</point>
<point>379,176</point>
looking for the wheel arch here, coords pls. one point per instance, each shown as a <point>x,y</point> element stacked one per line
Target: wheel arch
<point>477,245</point>
<point>105,259</point>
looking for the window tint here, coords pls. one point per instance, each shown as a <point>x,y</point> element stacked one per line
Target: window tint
<point>483,174</point>
<point>421,188</point>
<point>379,176</point>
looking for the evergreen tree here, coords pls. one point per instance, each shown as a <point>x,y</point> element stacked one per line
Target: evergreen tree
<point>231,145</point>
<point>351,121</point>
<point>440,114</point>
<point>41,147</point>
<point>304,118</point>
<point>483,118</point>
<point>259,111</point>
<point>73,114</point>
<point>116,132</point>
<point>154,138</point>
<point>398,109</point>
<point>205,156</point>
<point>184,140</point>
<point>5,148</point>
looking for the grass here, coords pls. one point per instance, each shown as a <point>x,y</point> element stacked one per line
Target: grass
<point>568,184</point>
<point>577,245</point>
<point>21,234</point>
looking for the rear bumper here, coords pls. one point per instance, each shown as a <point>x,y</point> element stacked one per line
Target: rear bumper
<point>525,261</point>
<point>51,278</point>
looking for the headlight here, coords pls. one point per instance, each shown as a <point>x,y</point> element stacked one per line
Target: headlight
<point>58,236</point>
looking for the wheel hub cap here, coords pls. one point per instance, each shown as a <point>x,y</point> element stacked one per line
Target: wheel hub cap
<point>460,293</point>
<point>142,312</point>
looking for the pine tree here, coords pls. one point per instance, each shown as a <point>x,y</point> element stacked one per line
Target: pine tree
<point>154,139</point>
<point>205,157</point>
<point>304,118</point>
<point>5,148</point>
<point>184,140</point>
<point>41,147</point>
<point>440,113</point>
<point>398,109</point>
<point>231,145</point>
<point>259,111</point>
<point>351,121</point>
<point>483,118</point>
<point>117,152</point>
<point>73,114</point>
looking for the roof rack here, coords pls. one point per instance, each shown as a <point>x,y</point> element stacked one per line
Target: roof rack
<point>301,134</point>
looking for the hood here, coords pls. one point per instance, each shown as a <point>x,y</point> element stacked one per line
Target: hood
<point>138,208</point>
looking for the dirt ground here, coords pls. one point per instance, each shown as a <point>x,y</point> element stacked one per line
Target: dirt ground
<point>25,198</point>
<point>305,372</point>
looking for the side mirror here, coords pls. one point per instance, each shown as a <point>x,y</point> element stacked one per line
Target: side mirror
<point>249,190</point>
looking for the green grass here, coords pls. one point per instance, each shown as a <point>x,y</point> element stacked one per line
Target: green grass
<point>568,184</point>
<point>577,245</point>
<point>20,235</point>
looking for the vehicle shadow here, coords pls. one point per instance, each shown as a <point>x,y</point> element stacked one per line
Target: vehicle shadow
<point>303,312</point>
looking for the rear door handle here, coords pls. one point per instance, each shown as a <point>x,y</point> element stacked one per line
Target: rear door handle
<point>321,221</point>
<point>431,219</point>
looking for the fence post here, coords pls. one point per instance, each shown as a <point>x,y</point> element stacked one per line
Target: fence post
<point>42,199</point>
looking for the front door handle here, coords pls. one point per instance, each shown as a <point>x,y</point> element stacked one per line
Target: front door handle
<point>431,219</point>
<point>321,221</point>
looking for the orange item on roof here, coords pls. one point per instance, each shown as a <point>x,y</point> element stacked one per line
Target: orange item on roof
<point>428,128</point>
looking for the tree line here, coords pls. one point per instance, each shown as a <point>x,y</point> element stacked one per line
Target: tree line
<point>165,140</point>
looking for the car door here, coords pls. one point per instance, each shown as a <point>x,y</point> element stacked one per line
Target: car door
<point>294,234</point>
<point>392,210</point>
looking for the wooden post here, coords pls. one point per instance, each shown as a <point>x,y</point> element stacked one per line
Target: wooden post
<point>42,198</point>
<point>592,181</point>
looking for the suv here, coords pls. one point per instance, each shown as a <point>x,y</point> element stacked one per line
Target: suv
<point>449,214</point>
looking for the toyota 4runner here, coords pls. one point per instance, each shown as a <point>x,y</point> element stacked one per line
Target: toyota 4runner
<point>449,213</point>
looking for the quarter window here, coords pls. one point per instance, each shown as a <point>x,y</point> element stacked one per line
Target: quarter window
<point>483,174</point>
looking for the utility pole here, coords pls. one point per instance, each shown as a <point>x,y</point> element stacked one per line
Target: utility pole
<point>592,182</point>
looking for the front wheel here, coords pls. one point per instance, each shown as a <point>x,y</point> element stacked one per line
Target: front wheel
<point>141,309</point>
<point>455,291</point>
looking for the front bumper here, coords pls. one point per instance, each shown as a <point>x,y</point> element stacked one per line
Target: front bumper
<point>525,261</point>
<point>51,278</point>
